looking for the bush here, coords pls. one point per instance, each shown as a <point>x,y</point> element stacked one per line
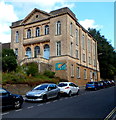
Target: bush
<point>50,74</point>
<point>31,69</point>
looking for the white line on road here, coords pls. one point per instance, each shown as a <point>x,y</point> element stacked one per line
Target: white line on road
<point>18,110</point>
<point>39,104</point>
<point>55,100</point>
<point>29,107</point>
<point>5,113</point>
<point>48,102</point>
<point>110,114</point>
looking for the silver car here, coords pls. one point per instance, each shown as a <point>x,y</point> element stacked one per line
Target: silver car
<point>43,92</point>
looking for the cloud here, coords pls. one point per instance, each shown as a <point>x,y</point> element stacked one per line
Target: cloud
<point>89,23</point>
<point>7,15</point>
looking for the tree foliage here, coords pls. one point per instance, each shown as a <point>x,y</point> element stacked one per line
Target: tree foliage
<point>9,62</point>
<point>106,55</point>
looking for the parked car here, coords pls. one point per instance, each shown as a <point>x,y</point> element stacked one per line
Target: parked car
<point>10,100</point>
<point>43,92</point>
<point>92,85</point>
<point>68,88</point>
<point>101,84</point>
<point>108,83</point>
<point>112,82</point>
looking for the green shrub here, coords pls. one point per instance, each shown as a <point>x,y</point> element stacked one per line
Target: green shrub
<point>31,69</point>
<point>50,74</point>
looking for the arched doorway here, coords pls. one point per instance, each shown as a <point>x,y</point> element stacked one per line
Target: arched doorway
<point>28,52</point>
<point>46,51</point>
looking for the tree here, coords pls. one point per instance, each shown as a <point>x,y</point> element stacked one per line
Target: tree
<point>9,62</point>
<point>106,55</point>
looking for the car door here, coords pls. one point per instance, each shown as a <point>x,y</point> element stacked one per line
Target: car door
<point>75,87</point>
<point>7,98</point>
<point>72,88</point>
<point>50,91</point>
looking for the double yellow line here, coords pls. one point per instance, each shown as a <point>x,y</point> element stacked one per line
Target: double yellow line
<point>110,114</point>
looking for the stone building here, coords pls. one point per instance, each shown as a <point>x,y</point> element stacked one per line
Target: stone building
<point>56,39</point>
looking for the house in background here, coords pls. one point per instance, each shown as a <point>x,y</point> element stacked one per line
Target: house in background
<point>56,39</point>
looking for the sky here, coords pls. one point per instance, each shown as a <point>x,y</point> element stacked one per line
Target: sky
<point>98,14</point>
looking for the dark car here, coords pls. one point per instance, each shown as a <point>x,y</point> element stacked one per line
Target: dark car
<point>92,85</point>
<point>112,82</point>
<point>10,100</point>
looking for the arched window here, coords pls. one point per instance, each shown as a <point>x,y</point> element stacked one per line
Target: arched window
<point>71,29</point>
<point>77,42</point>
<point>83,41</point>
<point>36,51</point>
<point>46,29</point>
<point>28,52</point>
<point>58,28</point>
<point>17,36</point>
<point>28,33</point>
<point>37,32</point>
<point>46,51</point>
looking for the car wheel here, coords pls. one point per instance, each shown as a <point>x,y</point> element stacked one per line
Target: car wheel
<point>77,92</point>
<point>95,89</point>
<point>45,98</point>
<point>70,93</point>
<point>58,96</point>
<point>17,104</point>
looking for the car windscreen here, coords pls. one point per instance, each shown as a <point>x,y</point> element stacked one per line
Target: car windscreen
<point>62,84</point>
<point>90,83</point>
<point>42,87</point>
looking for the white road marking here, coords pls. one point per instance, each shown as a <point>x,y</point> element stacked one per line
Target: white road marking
<point>55,100</point>
<point>18,110</point>
<point>39,104</point>
<point>29,107</point>
<point>48,102</point>
<point>5,113</point>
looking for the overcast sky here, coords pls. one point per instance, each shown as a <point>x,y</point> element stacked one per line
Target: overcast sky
<point>99,15</point>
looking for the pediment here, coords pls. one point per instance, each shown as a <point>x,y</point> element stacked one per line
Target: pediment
<point>35,15</point>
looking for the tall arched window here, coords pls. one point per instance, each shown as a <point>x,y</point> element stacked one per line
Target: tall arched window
<point>83,41</point>
<point>36,51</point>
<point>46,51</point>
<point>37,32</point>
<point>77,42</point>
<point>46,29</point>
<point>71,29</point>
<point>28,33</point>
<point>58,28</point>
<point>17,36</point>
<point>28,52</point>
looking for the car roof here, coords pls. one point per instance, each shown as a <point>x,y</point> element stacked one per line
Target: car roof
<point>66,82</point>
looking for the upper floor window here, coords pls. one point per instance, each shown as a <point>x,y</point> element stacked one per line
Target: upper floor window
<point>83,41</point>
<point>28,33</point>
<point>36,51</point>
<point>83,57</point>
<point>71,29</point>
<point>77,42</point>
<point>28,52</point>
<point>37,32</point>
<point>71,49</point>
<point>58,48</point>
<point>58,28</point>
<point>17,36</point>
<point>46,29</point>
<point>77,54</point>
<point>89,45</point>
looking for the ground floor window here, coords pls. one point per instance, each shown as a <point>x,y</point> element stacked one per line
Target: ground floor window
<point>85,74</point>
<point>78,72</point>
<point>72,70</point>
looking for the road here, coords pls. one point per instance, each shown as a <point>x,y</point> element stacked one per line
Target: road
<point>89,104</point>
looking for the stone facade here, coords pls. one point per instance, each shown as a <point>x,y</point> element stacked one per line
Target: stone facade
<point>57,39</point>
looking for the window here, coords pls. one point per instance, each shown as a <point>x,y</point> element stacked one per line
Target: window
<point>71,29</point>
<point>58,28</point>
<point>78,72</point>
<point>28,52</point>
<point>36,51</point>
<point>28,33</point>
<point>46,29</point>
<point>17,36</point>
<point>46,51</point>
<point>77,54</point>
<point>58,48</point>
<point>77,37</point>
<point>91,75</point>
<point>85,74</point>
<point>83,41</point>
<point>89,45</point>
<point>72,70</point>
<point>16,52</point>
<point>89,60</point>
<point>83,57</point>
<point>71,49</point>
<point>37,32</point>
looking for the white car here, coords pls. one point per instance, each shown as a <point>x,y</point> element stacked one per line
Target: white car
<point>68,88</point>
